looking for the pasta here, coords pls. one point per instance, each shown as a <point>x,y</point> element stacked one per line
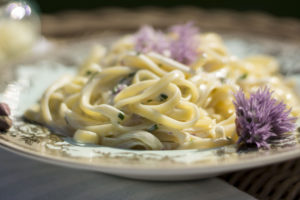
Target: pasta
<point>147,100</point>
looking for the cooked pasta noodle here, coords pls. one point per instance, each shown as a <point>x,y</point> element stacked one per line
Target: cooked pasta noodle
<point>123,98</point>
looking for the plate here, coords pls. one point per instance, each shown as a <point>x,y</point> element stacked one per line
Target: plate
<point>23,83</point>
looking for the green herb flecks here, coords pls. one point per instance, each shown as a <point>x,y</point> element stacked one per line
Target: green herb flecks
<point>127,80</point>
<point>87,73</point>
<point>92,76</point>
<point>243,77</point>
<point>163,97</point>
<point>153,128</point>
<point>222,80</point>
<point>149,100</point>
<point>121,116</point>
<point>131,74</point>
<point>228,138</point>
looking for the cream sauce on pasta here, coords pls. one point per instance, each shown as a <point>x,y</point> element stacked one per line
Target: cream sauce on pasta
<point>125,99</point>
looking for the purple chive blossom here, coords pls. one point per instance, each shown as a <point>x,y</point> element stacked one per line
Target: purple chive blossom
<point>147,39</point>
<point>184,47</point>
<point>261,118</point>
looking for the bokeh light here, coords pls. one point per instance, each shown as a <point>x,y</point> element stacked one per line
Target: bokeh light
<point>18,10</point>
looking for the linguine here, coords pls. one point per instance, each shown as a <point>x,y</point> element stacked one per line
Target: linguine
<point>147,100</point>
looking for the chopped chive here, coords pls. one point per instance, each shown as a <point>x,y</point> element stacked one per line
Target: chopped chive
<point>92,76</point>
<point>87,73</point>
<point>131,74</point>
<point>222,79</point>
<point>153,128</point>
<point>228,138</point>
<point>244,76</point>
<point>163,97</point>
<point>149,100</point>
<point>138,53</point>
<point>121,116</point>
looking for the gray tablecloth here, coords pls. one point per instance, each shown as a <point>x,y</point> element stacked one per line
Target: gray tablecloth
<point>21,178</point>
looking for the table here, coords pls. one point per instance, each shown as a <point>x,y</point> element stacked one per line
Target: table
<point>26,179</point>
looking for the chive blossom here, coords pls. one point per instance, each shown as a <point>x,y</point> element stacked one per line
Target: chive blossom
<point>148,39</point>
<point>261,119</point>
<point>182,47</point>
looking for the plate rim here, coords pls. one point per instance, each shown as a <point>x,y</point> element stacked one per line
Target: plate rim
<point>138,169</point>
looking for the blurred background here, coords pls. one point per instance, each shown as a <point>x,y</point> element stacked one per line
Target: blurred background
<point>25,22</point>
<point>288,8</point>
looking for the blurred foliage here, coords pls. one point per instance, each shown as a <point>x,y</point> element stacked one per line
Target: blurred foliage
<point>275,7</point>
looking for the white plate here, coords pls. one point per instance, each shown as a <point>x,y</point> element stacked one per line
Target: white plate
<point>23,84</point>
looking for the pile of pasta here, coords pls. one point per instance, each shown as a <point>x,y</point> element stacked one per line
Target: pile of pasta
<point>127,99</point>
